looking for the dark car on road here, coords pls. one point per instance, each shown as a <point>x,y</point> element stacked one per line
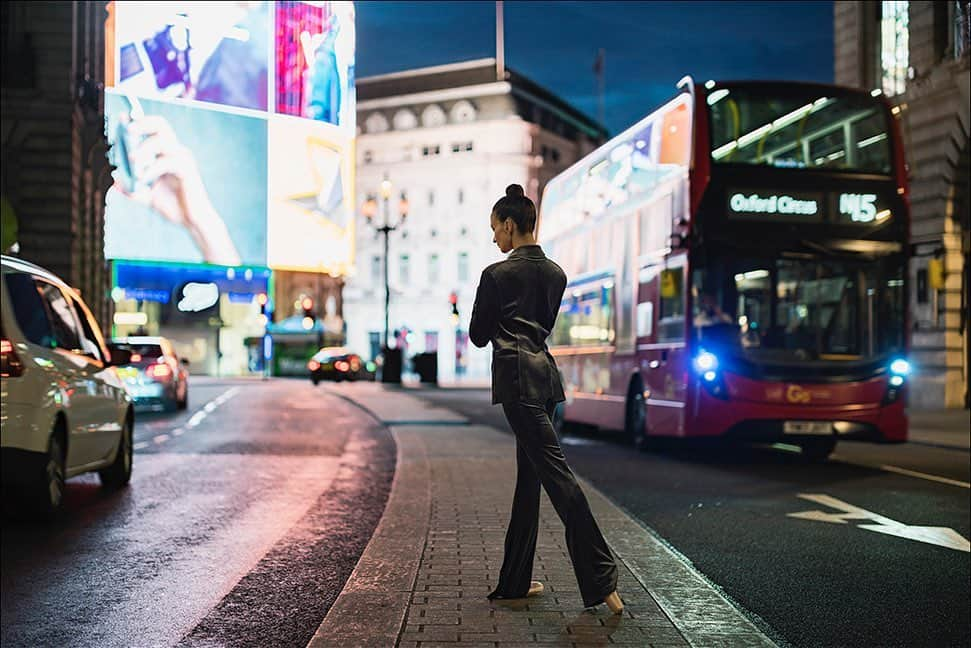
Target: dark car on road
<point>337,364</point>
<point>155,378</point>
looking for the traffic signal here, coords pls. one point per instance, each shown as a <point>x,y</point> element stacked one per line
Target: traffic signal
<point>263,300</point>
<point>307,304</point>
<point>453,299</point>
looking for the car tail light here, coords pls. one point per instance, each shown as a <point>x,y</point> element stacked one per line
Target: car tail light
<point>160,372</point>
<point>341,366</point>
<point>10,364</point>
<point>313,365</point>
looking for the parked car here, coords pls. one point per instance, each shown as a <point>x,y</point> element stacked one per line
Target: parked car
<point>337,364</point>
<point>65,409</point>
<point>156,378</point>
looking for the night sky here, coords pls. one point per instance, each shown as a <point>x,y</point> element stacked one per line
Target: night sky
<point>649,45</point>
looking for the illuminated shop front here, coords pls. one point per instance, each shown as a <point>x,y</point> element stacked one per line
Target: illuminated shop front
<point>206,311</point>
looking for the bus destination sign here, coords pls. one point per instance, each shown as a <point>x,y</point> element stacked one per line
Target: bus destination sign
<point>845,208</point>
<point>795,206</point>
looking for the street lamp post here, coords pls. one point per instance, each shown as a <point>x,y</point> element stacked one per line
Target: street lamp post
<point>370,208</point>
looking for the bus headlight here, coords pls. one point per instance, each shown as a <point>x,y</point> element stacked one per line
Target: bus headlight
<point>900,367</point>
<point>706,365</point>
<point>899,370</point>
<point>706,362</point>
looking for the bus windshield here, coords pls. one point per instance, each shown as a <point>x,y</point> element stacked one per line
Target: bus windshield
<point>798,127</point>
<point>794,310</point>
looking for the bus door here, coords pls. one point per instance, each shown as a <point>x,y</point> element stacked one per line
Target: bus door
<point>663,358</point>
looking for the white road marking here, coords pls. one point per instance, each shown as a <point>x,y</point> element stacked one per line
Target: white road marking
<point>579,441</point>
<point>161,438</point>
<point>940,536</point>
<point>914,473</point>
<point>904,471</point>
<point>178,432</point>
<point>141,445</point>
<point>196,419</point>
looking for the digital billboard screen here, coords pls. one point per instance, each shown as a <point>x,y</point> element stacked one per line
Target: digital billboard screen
<point>197,94</point>
<point>315,61</point>
<point>189,185</point>
<point>311,219</point>
<point>215,52</point>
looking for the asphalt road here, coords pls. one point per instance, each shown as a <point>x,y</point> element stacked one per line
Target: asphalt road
<point>245,516</point>
<point>815,580</point>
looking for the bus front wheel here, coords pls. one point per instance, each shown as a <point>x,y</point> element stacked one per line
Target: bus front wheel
<point>635,422</point>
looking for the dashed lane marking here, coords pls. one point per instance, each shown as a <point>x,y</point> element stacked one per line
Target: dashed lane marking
<point>194,421</point>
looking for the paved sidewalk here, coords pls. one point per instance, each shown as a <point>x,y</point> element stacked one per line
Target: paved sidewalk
<point>423,579</point>
<point>947,428</point>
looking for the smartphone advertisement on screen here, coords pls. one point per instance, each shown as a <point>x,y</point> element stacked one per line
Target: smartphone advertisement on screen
<point>198,93</point>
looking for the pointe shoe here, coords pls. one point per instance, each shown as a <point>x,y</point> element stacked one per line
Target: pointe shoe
<point>535,588</point>
<point>614,603</point>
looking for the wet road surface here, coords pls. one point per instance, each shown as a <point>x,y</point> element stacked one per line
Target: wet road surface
<point>244,518</point>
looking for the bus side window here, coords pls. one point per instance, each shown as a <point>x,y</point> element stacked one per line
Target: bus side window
<point>670,321</point>
<point>645,319</point>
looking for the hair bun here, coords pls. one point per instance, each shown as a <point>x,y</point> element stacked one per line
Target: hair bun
<point>515,191</point>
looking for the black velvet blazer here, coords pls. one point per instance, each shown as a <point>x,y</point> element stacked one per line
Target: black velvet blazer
<point>515,308</point>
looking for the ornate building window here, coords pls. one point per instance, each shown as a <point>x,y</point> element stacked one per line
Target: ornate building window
<point>894,46</point>
<point>404,119</point>
<point>376,123</point>
<point>433,116</point>
<point>462,112</point>
<point>961,11</point>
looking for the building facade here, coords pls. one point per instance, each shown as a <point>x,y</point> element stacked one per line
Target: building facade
<point>54,170</point>
<point>917,53</point>
<point>444,142</point>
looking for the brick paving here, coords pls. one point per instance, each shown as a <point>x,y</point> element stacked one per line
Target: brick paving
<point>472,480</point>
<point>423,579</point>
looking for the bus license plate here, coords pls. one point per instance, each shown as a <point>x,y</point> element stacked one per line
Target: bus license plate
<point>807,427</point>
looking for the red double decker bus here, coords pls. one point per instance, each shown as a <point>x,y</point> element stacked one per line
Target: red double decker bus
<point>738,268</point>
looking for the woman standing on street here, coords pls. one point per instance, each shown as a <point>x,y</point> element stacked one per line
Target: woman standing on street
<point>515,308</point>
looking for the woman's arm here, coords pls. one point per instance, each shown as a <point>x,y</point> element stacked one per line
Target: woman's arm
<point>485,312</point>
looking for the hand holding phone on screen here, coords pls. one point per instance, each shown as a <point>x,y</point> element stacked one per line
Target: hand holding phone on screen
<point>162,173</point>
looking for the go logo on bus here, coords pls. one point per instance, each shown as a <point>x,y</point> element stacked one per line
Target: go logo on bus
<point>796,394</point>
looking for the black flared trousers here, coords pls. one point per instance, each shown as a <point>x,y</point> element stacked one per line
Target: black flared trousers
<point>540,460</point>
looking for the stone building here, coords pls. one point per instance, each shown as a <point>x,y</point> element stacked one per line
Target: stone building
<point>54,169</point>
<point>917,53</point>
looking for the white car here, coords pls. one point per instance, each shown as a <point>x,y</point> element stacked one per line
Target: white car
<point>65,408</point>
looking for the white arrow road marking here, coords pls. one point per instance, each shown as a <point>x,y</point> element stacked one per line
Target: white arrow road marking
<point>940,536</point>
